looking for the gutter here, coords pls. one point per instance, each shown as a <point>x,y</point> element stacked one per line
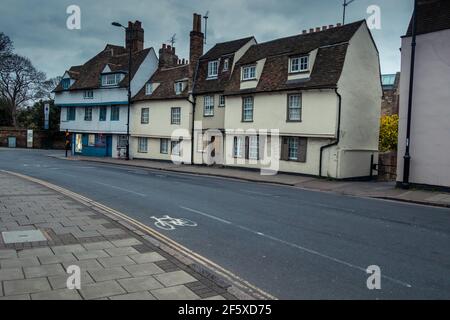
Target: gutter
<point>336,142</point>
<point>194,103</point>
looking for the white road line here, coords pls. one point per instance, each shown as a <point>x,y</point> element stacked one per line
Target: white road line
<point>311,251</point>
<point>206,215</point>
<point>119,188</point>
<point>257,193</point>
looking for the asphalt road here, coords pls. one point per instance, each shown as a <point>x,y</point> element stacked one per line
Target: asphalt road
<point>292,243</point>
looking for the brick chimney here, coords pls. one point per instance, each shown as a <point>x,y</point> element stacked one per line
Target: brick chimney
<point>167,57</point>
<point>196,44</point>
<point>134,36</point>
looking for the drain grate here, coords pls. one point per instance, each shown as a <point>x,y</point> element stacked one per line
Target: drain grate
<point>23,236</point>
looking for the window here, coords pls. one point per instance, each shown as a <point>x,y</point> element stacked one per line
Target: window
<point>213,67</point>
<point>176,148</point>
<point>149,89</point>
<point>164,146</point>
<point>91,140</point>
<point>115,113</point>
<point>299,64</point>
<point>249,73</point>
<point>253,147</point>
<point>65,83</point>
<point>238,147</point>
<point>208,106</point>
<point>179,87</point>
<point>111,79</point>
<point>175,116</point>
<point>293,149</point>
<point>88,114</point>
<point>89,94</point>
<point>102,114</point>
<point>247,109</point>
<point>222,101</point>
<point>142,145</point>
<point>122,141</point>
<point>294,107</point>
<point>226,63</point>
<point>71,114</point>
<point>145,114</point>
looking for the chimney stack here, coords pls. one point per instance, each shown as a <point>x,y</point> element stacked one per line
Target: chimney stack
<point>317,29</point>
<point>167,57</point>
<point>324,28</point>
<point>304,32</point>
<point>134,36</point>
<point>196,44</point>
<point>311,30</point>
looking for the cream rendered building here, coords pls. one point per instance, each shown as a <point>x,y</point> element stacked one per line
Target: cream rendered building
<point>320,90</point>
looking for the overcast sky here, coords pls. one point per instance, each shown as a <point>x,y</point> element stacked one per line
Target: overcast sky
<point>38,28</point>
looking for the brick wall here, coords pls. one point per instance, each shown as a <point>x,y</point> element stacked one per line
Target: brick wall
<point>41,139</point>
<point>387,166</point>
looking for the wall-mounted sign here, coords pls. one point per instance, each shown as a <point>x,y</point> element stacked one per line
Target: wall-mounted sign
<point>29,138</point>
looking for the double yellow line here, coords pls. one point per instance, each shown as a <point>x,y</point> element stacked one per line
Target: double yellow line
<point>245,289</point>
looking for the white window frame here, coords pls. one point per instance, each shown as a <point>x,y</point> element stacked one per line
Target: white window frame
<point>299,64</point>
<point>221,101</point>
<point>88,94</point>
<point>292,107</point>
<point>88,114</point>
<point>149,89</point>
<point>208,106</point>
<point>175,116</point>
<point>293,145</point>
<point>179,87</point>
<point>238,146</point>
<point>122,141</point>
<point>246,108</point>
<point>248,73</point>
<point>165,143</point>
<point>111,79</point>
<point>253,147</point>
<point>145,115</point>
<point>142,145</point>
<point>213,69</point>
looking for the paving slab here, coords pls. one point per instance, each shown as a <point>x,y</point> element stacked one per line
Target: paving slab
<point>109,274</point>
<point>144,295</point>
<point>59,258</point>
<point>98,245</point>
<point>140,284</point>
<point>174,293</point>
<point>85,265</point>
<point>44,271</point>
<point>119,261</point>
<point>147,257</point>
<point>11,274</point>
<point>68,249</point>
<point>61,294</point>
<point>60,282</point>
<point>27,286</point>
<point>35,252</point>
<point>144,269</point>
<point>7,254</point>
<point>91,254</point>
<point>101,290</point>
<point>122,251</point>
<point>175,278</point>
<point>126,242</point>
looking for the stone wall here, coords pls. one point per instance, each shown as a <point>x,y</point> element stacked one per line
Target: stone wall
<point>387,166</point>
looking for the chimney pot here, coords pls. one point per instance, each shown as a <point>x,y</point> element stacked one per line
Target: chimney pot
<point>317,29</point>
<point>324,28</point>
<point>330,26</point>
<point>304,32</point>
<point>311,30</point>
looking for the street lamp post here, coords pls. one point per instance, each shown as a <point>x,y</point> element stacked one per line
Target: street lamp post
<point>116,24</point>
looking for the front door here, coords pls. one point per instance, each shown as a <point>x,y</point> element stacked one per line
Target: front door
<point>109,146</point>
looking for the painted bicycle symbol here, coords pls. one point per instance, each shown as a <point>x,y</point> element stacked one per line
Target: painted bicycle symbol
<point>168,223</point>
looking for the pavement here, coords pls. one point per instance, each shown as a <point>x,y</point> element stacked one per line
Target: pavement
<point>373,189</point>
<point>117,261</point>
<point>290,242</point>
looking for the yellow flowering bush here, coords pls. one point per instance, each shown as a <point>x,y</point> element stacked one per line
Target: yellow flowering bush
<point>389,133</point>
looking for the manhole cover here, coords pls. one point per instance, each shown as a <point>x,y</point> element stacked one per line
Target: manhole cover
<point>23,236</point>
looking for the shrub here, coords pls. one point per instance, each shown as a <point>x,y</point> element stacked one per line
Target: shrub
<point>389,133</point>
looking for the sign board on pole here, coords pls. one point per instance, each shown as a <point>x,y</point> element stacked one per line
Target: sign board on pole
<point>46,115</point>
<point>29,138</point>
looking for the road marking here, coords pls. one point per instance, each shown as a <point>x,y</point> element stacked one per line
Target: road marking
<point>169,224</point>
<point>119,188</point>
<point>294,245</point>
<point>258,193</point>
<point>206,215</point>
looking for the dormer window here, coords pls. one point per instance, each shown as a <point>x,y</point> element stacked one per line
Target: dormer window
<point>299,64</point>
<point>213,69</point>
<point>179,87</point>
<point>226,63</point>
<point>111,79</point>
<point>249,73</point>
<point>65,83</point>
<point>149,89</point>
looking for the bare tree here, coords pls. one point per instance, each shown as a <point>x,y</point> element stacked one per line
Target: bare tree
<point>46,90</point>
<point>20,83</point>
<point>5,45</point>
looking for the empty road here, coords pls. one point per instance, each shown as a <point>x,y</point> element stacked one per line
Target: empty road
<point>292,243</point>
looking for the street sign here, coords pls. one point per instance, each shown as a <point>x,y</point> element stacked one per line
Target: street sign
<point>46,115</point>
<point>29,138</point>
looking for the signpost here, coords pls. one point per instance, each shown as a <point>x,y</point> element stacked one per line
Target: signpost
<point>46,116</point>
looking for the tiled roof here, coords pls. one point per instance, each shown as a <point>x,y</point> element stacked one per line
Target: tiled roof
<point>219,51</point>
<point>87,76</point>
<point>432,16</point>
<point>166,89</point>
<point>332,48</point>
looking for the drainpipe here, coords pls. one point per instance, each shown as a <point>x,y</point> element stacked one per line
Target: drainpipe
<point>193,112</point>
<point>407,156</point>
<point>338,133</point>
